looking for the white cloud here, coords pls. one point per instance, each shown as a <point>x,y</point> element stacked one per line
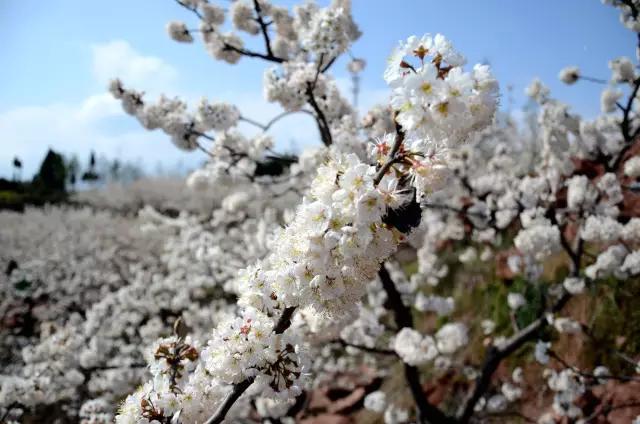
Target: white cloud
<point>117,59</point>
<point>96,123</point>
<point>98,106</point>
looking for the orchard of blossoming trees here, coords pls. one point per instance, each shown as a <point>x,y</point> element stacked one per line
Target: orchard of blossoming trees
<point>442,264</point>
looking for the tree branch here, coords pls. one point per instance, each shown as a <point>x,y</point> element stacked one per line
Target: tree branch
<point>269,56</point>
<point>191,9</point>
<point>626,125</point>
<point>345,343</point>
<point>427,413</point>
<point>393,154</point>
<point>285,320</point>
<point>263,27</point>
<point>495,355</point>
<point>249,53</point>
<point>588,375</point>
<point>268,125</point>
<point>229,400</point>
<point>321,119</point>
<point>326,67</point>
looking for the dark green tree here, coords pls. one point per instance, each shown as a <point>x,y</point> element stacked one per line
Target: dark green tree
<point>52,177</point>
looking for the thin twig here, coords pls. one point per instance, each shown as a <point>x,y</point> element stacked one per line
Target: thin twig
<point>366,348</point>
<point>226,46</point>
<point>268,125</point>
<point>393,155</point>
<point>326,67</point>
<point>250,53</point>
<point>191,9</point>
<point>592,79</point>
<point>581,373</point>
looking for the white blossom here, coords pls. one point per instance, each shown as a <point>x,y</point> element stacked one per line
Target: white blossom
<point>376,401</point>
<point>569,75</point>
<point>178,32</point>
<point>413,348</point>
<point>515,301</point>
<point>608,100</point>
<point>574,285</point>
<point>451,337</point>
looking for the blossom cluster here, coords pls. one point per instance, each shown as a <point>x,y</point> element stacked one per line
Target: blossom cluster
<point>325,32</point>
<point>171,116</point>
<point>321,264</point>
<point>436,99</point>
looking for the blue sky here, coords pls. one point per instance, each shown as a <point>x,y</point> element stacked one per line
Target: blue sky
<point>58,55</point>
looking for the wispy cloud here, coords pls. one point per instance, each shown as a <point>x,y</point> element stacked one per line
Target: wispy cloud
<point>95,123</point>
<point>98,123</point>
<point>119,59</point>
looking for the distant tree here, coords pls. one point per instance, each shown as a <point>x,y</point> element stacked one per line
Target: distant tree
<point>114,169</point>
<point>17,168</point>
<point>73,168</point>
<point>90,175</point>
<point>52,176</point>
<point>130,172</point>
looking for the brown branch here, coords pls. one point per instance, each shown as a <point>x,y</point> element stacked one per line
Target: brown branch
<point>588,375</point>
<point>393,154</point>
<point>321,119</point>
<point>269,56</point>
<point>284,321</point>
<point>592,79</point>
<point>627,111</point>
<point>366,348</point>
<point>229,400</point>
<point>191,9</point>
<point>263,27</point>
<point>250,53</point>
<point>326,67</point>
<point>427,413</point>
<point>495,355</point>
<point>268,125</point>
<point>625,126</point>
